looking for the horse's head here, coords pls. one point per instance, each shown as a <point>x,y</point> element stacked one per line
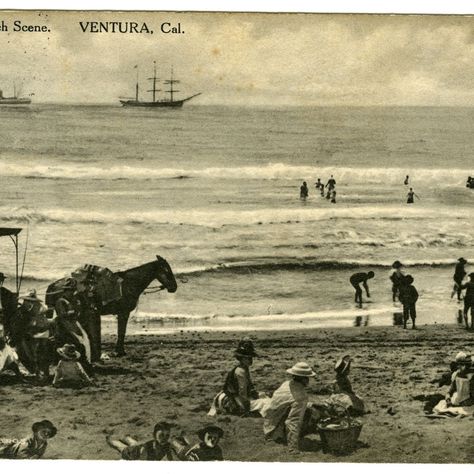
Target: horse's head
<point>165,275</point>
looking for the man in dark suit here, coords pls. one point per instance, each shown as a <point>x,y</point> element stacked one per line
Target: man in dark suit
<point>8,307</point>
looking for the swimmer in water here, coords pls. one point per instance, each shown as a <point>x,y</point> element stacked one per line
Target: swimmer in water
<point>318,184</point>
<point>406,180</point>
<point>333,196</point>
<point>411,196</point>
<point>304,190</point>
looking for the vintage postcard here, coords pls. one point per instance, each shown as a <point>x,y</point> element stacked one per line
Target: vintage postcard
<point>236,236</point>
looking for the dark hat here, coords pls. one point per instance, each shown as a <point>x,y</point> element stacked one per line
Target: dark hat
<point>44,424</point>
<point>2,276</point>
<point>397,264</point>
<point>462,260</point>
<point>409,280</point>
<point>68,351</point>
<point>162,426</point>
<point>245,349</point>
<point>210,429</point>
<point>343,364</point>
<point>471,275</point>
<point>70,284</point>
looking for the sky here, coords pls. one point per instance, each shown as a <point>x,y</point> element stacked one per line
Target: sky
<point>247,59</point>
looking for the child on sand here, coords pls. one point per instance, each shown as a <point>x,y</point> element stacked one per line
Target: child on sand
<point>153,450</point>
<point>408,298</point>
<point>69,372</point>
<point>208,448</point>
<point>396,278</point>
<point>32,447</point>
<point>343,387</point>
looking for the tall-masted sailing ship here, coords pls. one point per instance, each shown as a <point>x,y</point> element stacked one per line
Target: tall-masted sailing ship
<point>171,102</point>
<point>15,100</point>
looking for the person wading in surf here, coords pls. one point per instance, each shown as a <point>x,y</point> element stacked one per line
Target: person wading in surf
<point>356,279</point>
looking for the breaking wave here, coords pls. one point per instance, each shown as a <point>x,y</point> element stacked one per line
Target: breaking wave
<point>55,170</point>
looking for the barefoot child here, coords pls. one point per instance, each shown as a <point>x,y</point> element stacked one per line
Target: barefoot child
<point>69,372</point>
<point>408,298</point>
<point>32,447</point>
<point>155,449</point>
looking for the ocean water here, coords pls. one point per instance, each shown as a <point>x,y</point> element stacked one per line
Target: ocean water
<point>215,191</point>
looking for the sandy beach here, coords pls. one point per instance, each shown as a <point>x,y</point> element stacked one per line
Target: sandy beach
<point>175,377</point>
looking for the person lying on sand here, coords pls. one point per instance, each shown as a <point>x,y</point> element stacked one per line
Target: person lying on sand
<point>238,396</point>
<point>288,416</point>
<point>208,448</point>
<point>69,372</point>
<point>155,449</point>
<point>343,388</point>
<point>32,447</point>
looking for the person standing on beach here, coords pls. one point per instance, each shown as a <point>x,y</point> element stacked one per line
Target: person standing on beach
<point>469,299</point>
<point>304,191</point>
<point>396,278</point>
<point>356,280</point>
<point>458,277</point>
<point>411,196</point>
<point>406,180</point>
<point>408,298</point>
<point>8,309</point>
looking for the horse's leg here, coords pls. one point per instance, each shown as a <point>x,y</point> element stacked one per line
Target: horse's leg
<point>122,320</point>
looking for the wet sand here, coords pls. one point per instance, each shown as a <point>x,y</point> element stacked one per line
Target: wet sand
<point>175,377</point>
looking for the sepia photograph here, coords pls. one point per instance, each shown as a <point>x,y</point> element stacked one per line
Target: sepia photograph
<point>236,236</point>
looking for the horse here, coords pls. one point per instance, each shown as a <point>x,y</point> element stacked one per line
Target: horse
<point>134,282</point>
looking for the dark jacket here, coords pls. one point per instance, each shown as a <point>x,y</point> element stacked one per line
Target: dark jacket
<point>205,453</point>
<point>408,295</point>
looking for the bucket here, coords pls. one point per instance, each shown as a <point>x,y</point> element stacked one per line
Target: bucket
<point>339,439</point>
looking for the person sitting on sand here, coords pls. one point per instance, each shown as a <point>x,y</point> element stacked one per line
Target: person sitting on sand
<point>155,449</point>
<point>461,391</point>
<point>343,387</point>
<point>69,372</point>
<point>408,298</point>
<point>208,448</point>
<point>458,277</point>
<point>238,396</point>
<point>469,299</point>
<point>356,279</point>
<point>8,358</point>
<point>396,278</point>
<point>68,328</point>
<point>33,327</point>
<point>32,447</point>
<point>288,416</point>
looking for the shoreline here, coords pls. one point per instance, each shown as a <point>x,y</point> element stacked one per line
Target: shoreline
<point>174,377</point>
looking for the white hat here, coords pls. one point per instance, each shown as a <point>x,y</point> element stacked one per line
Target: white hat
<point>462,357</point>
<point>301,369</point>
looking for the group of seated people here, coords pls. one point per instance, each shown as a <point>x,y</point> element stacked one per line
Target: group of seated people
<point>288,414</point>
<point>36,340</point>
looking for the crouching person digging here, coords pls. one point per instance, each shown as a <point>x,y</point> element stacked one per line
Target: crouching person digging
<point>288,417</point>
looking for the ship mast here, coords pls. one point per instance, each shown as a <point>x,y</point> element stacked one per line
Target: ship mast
<point>154,79</point>
<point>171,82</point>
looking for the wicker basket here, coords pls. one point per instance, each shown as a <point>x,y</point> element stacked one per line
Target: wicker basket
<point>341,440</point>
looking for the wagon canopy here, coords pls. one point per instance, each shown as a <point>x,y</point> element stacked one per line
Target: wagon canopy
<point>13,232</point>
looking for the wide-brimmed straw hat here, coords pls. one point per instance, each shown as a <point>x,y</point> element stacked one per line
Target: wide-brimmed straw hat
<point>462,260</point>
<point>31,296</point>
<point>210,429</point>
<point>301,369</point>
<point>397,264</point>
<point>44,424</point>
<point>69,352</point>
<point>245,348</point>
<point>463,357</point>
